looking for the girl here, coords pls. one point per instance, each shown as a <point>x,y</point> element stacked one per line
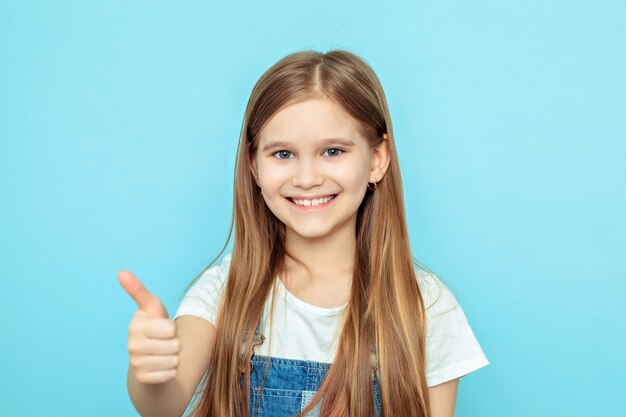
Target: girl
<point>320,309</point>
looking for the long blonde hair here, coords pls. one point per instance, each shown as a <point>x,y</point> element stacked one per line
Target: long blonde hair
<point>385,311</point>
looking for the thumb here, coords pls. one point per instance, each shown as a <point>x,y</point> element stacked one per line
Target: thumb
<point>146,301</point>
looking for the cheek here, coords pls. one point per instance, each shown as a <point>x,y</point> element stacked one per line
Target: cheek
<point>270,178</point>
<point>350,177</point>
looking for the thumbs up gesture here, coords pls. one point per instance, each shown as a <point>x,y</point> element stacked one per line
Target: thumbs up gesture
<point>153,345</point>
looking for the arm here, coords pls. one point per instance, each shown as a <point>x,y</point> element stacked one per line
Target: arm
<point>171,398</point>
<point>443,398</point>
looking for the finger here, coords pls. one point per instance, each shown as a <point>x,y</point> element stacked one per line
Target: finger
<point>153,328</point>
<point>149,363</point>
<point>145,346</point>
<point>146,301</point>
<point>156,377</point>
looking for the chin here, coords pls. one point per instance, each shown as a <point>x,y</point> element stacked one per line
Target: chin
<point>311,232</point>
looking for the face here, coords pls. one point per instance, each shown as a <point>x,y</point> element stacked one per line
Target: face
<point>313,166</point>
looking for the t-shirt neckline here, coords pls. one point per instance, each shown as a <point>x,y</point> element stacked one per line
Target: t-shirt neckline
<point>303,305</point>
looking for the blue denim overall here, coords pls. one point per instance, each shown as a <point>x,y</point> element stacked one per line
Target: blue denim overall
<point>290,384</point>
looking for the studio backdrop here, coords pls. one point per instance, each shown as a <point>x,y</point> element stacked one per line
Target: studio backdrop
<point>118,129</point>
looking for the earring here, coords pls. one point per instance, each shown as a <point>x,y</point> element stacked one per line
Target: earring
<point>375,186</point>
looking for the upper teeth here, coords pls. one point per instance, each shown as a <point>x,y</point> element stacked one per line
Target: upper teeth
<point>315,202</point>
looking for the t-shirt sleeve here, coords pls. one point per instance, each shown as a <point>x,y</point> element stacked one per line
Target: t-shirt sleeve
<point>451,347</point>
<point>203,298</point>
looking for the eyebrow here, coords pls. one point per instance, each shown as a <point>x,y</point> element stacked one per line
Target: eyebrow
<point>322,143</point>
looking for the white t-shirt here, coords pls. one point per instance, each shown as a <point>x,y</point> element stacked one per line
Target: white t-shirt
<point>303,331</point>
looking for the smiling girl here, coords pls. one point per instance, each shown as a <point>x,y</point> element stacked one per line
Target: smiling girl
<point>320,309</point>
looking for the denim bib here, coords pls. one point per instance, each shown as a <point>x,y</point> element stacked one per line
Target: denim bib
<point>290,385</point>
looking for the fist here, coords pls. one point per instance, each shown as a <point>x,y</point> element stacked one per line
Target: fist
<point>153,345</point>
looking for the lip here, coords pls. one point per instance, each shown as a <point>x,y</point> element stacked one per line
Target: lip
<point>311,208</point>
<point>313,197</point>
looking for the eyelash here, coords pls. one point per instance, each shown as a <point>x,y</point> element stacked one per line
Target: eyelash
<point>329,149</point>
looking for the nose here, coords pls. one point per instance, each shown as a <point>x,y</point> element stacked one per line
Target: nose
<point>307,175</point>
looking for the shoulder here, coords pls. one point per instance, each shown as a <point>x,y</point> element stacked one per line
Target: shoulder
<point>452,349</point>
<point>217,272</point>
<point>438,299</point>
<point>204,294</point>
<point>213,277</point>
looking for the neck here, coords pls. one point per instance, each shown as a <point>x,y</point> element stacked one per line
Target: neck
<point>324,258</point>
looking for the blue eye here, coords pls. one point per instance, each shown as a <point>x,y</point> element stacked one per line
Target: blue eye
<point>333,152</point>
<point>282,154</point>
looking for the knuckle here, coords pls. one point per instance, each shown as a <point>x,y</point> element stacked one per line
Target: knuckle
<point>172,329</point>
<point>135,361</point>
<point>134,329</point>
<point>135,324</point>
<point>137,317</point>
<point>134,346</point>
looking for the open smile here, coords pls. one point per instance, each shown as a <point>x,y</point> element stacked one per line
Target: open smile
<point>312,203</point>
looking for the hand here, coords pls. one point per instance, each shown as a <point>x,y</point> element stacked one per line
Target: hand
<point>153,346</point>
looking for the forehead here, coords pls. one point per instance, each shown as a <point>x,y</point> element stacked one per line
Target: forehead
<point>310,121</point>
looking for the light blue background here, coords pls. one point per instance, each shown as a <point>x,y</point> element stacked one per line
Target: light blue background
<point>118,127</point>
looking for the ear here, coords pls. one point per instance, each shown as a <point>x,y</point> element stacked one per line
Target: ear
<point>380,160</point>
